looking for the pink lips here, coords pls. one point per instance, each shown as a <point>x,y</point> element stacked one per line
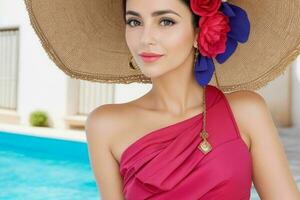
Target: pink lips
<point>150,57</point>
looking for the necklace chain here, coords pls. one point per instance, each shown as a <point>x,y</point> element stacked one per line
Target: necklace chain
<point>204,108</point>
<point>204,145</point>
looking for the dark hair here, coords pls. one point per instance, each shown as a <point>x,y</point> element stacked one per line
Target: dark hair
<point>195,18</point>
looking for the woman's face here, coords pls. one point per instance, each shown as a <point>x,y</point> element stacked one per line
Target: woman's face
<point>170,34</point>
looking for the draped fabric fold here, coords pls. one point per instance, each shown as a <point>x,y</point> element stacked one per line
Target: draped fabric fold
<point>166,163</point>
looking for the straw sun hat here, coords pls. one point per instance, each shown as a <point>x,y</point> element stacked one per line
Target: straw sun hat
<point>86,39</point>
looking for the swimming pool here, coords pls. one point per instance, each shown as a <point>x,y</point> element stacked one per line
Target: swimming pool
<point>44,168</point>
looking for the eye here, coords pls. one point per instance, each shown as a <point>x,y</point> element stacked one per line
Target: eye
<point>131,24</point>
<point>168,21</point>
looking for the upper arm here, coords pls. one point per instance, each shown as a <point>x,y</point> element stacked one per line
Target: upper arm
<point>105,167</point>
<point>272,177</point>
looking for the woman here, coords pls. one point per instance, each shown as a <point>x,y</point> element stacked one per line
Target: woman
<point>174,97</point>
<point>150,148</point>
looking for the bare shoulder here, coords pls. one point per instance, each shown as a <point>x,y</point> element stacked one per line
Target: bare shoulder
<point>105,118</point>
<point>247,104</point>
<point>243,103</point>
<point>110,123</point>
<point>243,96</point>
<point>100,127</point>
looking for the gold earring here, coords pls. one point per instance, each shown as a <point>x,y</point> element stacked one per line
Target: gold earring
<point>196,56</point>
<point>132,64</point>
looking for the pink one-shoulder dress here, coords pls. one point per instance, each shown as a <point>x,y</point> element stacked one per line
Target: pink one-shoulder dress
<point>166,164</point>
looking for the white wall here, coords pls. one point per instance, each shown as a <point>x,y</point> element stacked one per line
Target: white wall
<point>296,93</point>
<point>41,85</point>
<point>279,105</point>
<point>128,92</point>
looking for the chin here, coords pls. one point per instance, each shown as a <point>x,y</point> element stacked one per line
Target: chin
<point>151,73</point>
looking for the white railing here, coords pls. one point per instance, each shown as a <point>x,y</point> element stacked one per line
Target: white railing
<point>9,44</point>
<point>93,94</point>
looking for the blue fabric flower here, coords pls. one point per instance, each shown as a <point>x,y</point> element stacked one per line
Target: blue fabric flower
<point>204,69</point>
<point>240,29</point>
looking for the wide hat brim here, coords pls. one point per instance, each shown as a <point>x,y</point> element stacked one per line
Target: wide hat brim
<point>86,40</point>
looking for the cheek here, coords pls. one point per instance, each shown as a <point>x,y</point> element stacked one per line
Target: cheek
<point>179,40</point>
<point>131,39</point>
<point>179,43</point>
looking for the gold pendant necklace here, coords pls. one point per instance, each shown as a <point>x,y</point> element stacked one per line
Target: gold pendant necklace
<point>204,146</point>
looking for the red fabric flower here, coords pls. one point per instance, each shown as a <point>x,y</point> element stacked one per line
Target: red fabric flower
<point>212,37</point>
<point>205,7</point>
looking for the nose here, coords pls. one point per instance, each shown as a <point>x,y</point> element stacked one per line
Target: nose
<point>147,36</point>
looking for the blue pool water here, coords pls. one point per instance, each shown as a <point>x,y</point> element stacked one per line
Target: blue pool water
<point>36,168</point>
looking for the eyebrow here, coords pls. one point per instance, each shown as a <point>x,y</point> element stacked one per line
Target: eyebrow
<point>156,13</point>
